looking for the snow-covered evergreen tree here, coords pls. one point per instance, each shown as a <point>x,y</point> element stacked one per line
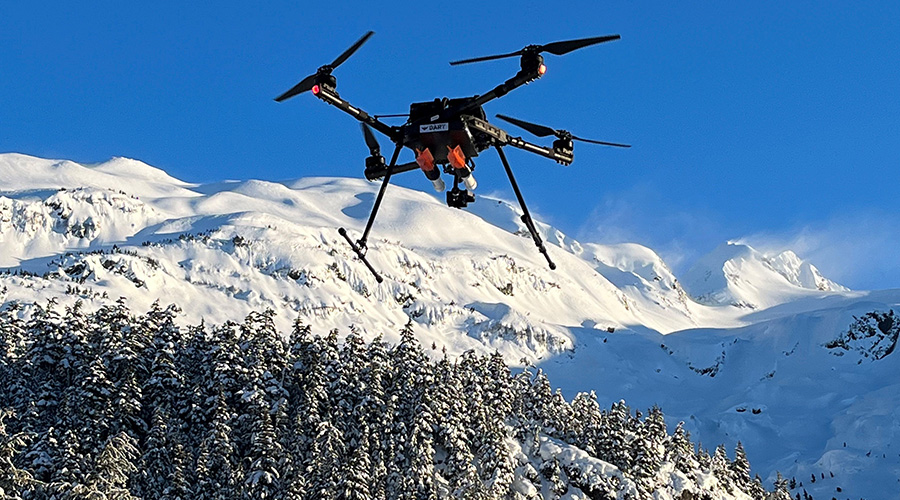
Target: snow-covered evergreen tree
<point>215,461</point>
<point>13,479</point>
<point>114,467</point>
<point>356,479</point>
<point>324,470</point>
<point>163,468</point>
<point>263,478</point>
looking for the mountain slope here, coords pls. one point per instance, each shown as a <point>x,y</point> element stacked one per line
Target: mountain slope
<point>240,243</point>
<point>611,318</point>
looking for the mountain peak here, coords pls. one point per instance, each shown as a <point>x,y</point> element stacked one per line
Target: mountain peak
<point>19,172</point>
<point>135,169</point>
<point>735,273</point>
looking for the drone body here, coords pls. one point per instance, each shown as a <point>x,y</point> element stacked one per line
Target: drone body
<point>446,134</point>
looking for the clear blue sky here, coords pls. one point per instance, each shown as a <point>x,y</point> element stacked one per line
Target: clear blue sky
<point>774,121</point>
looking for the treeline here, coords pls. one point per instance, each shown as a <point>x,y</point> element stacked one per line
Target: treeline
<point>114,405</point>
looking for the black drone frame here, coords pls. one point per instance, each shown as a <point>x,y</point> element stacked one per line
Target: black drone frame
<point>467,111</point>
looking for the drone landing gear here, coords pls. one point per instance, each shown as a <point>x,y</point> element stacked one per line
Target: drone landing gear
<point>359,247</point>
<point>360,251</point>
<point>526,217</point>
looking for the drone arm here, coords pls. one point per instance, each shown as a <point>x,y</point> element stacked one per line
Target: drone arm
<point>330,96</point>
<point>502,138</point>
<point>554,154</point>
<point>523,77</point>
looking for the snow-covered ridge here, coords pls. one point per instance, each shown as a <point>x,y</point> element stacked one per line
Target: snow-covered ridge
<point>612,286</point>
<point>233,247</point>
<point>23,173</point>
<point>732,347</point>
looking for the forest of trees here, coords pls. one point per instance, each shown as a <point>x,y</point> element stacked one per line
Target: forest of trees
<point>116,405</point>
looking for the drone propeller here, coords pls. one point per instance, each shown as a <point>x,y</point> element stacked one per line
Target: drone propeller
<point>371,141</point>
<point>555,48</point>
<point>375,165</point>
<point>542,131</point>
<point>308,82</point>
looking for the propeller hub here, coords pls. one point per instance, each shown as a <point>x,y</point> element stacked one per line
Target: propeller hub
<point>327,80</point>
<point>564,145</point>
<point>531,62</point>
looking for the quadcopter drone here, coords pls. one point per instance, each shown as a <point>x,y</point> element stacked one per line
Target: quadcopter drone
<point>446,134</point>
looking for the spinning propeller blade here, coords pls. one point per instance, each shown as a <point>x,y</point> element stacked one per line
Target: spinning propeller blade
<point>486,58</point>
<point>538,130</point>
<point>353,48</point>
<point>555,48</point>
<point>371,141</point>
<point>560,48</point>
<point>602,143</point>
<point>310,81</point>
<point>542,131</point>
<point>304,85</point>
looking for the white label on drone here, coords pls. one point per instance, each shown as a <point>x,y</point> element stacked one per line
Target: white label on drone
<point>434,127</point>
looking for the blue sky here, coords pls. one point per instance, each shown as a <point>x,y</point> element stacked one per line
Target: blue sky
<point>776,122</point>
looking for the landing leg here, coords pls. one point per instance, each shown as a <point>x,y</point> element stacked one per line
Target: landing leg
<point>360,246</point>
<point>526,217</point>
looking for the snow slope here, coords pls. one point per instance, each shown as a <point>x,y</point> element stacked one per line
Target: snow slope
<point>736,348</point>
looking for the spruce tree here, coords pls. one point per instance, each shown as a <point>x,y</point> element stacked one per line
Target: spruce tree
<point>721,468</point>
<point>324,471</point>
<point>262,478</point>
<point>215,467</point>
<point>157,464</point>
<point>587,419</point>
<point>649,448</point>
<point>740,467</point>
<point>356,480</point>
<point>680,451</point>
<point>13,480</point>
<point>112,470</point>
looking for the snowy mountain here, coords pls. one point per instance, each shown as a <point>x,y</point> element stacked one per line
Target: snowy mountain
<point>737,274</point>
<point>738,348</point>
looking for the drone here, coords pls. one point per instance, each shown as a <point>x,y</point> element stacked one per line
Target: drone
<point>447,134</point>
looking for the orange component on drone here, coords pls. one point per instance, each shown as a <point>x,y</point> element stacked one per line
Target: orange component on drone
<point>456,157</point>
<point>425,159</point>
